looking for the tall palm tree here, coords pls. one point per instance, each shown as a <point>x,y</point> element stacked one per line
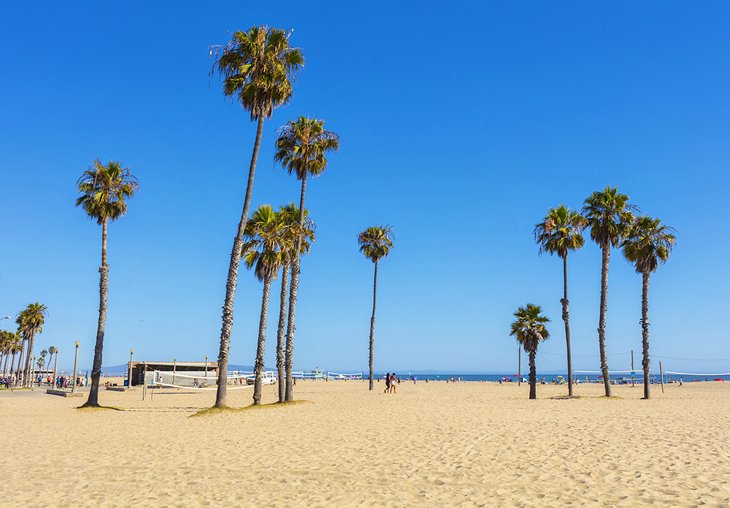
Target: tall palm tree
<point>648,243</point>
<point>609,215</point>
<point>289,215</point>
<point>301,148</point>
<point>30,323</point>
<point>262,250</point>
<point>559,233</point>
<point>375,243</point>
<point>104,190</point>
<point>257,67</point>
<point>529,330</point>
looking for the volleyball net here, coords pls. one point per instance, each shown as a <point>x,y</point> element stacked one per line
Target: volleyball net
<point>204,380</point>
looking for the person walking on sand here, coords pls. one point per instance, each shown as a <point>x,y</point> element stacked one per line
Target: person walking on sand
<point>393,379</point>
<point>387,383</point>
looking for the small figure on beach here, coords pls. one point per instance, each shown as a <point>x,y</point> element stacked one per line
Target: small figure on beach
<point>393,381</point>
<point>387,383</point>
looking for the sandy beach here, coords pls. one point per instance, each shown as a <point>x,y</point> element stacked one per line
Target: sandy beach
<point>438,444</point>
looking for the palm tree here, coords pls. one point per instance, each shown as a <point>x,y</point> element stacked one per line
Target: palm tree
<point>375,243</point>
<point>51,351</point>
<point>529,330</point>
<point>104,192</point>
<point>559,233</point>
<point>4,350</point>
<point>7,344</point>
<point>262,250</point>
<point>648,243</point>
<point>301,148</point>
<point>609,216</point>
<point>42,359</point>
<point>289,215</point>
<point>30,323</point>
<point>16,346</point>
<point>257,67</point>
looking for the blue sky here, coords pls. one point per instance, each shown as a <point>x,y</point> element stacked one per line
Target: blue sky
<point>461,124</point>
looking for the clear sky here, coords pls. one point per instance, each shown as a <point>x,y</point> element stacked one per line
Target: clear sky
<point>461,124</point>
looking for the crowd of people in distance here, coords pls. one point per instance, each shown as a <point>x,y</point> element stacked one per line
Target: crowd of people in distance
<point>60,381</point>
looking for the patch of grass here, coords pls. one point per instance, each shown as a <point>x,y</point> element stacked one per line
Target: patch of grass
<point>99,408</point>
<point>230,410</point>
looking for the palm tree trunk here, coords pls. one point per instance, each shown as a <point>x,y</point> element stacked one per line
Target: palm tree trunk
<point>566,318</point>
<point>18,372</point>
<point>372,324</point>
<point>12,363</point>
<point>259,365</point>
<point>645,329</point>
<point>93,400</point>
<point>5,367</point>
<point>28,365</point>
<point>280,354</point>
<point>605,258</point>
<point>533,376</point>
<point>232,281</point>
<point>295,269</point>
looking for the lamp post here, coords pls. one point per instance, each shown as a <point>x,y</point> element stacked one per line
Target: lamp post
<point>206,367</point>
<point>174,367</point>
<point>129,377</point>
<point>55,366</point>
<point>76,362</point>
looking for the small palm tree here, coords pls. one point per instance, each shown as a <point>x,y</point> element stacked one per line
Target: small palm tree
<point>7,345</point>
<point>262,250</point>
<point>559,233</point>
<point>648,243</point>
<point>609,215</point>
<point>258,67</point>
<point>51,351</point>
<point>289,216</point>
<point>529,330</point>
<point>16,346</point>
<point>375,243</point>
<point>104,190</point>
<point>301,148</point>
<point>42,359</point>
<point>30,323</point>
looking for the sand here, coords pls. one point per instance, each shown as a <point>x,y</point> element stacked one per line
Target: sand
<point>435,444</point>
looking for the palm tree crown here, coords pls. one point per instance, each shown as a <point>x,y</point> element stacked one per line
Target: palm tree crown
<point>609,215</point>
<point>258,67</point>
<point>648,243</point>
<point>560,231</point>
<point>375,242</point>
<point>289,216</point>
<point>529,327</point>
<point>264,242</point>
<point>302,146</point>
<point>104,190</point>
<point>30,321</point>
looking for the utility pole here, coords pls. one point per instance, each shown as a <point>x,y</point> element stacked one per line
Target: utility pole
<point>206,367</point>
